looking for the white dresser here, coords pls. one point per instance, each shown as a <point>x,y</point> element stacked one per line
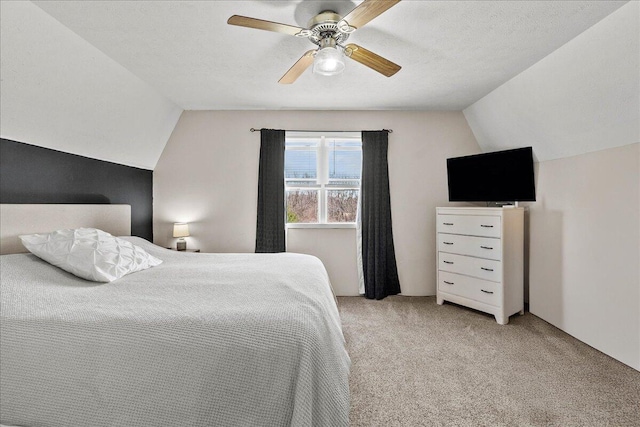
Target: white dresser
<point>480,259</point>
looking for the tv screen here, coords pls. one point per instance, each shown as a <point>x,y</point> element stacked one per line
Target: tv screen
<point>501,176</point>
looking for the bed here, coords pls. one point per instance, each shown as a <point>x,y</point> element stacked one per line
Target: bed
<point>199,340</point>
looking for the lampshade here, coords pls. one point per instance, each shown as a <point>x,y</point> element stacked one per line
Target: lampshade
<point>180,229</point>
<point>329,60</point>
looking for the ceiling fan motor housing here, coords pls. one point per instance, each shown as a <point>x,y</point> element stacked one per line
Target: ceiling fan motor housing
<point>325,25</point>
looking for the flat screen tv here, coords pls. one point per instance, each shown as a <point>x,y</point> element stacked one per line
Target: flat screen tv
<point>501,176</point>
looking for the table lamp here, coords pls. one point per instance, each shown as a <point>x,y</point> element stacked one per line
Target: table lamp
<point>181,230</point>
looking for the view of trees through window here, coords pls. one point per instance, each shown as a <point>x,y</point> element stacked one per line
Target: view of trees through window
<point>302,206</point>
<point>322,178</point>
<point>342,205</point>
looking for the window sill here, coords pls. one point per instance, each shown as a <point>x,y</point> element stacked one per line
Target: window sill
<point>336,225</point>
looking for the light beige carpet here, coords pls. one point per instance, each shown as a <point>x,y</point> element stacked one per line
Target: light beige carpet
<point>415,363</point>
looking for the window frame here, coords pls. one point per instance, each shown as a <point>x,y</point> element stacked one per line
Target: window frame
<point>322,179</point>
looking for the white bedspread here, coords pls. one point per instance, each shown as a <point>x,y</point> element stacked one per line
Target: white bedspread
<point>201,340</point>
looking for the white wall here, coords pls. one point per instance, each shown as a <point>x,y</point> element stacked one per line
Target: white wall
<point>208,176</point>
<point>583,233</point>
<point>584,249</point>
<point>336,248</point>
<point>60,92</point>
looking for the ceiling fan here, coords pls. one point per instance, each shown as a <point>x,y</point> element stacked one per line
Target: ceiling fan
<point>329,31</point>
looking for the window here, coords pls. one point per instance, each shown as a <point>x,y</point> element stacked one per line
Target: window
<point>322,177</point>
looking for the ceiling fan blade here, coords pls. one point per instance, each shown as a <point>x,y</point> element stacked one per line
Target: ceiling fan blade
<point>298,68</point>
<point>367,10</point>
<point>371,60</point>
<point>260,24</point>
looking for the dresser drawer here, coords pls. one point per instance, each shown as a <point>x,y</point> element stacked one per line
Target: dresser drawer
<point>470,287</point>
<point>487,269</point>
<point>474,225</point>
<point>482,247</point>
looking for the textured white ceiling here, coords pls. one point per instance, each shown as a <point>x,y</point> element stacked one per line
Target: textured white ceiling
<point>108,80</point>
<point>452,53</point>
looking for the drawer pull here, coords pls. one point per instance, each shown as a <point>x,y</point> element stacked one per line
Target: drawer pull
<point>486,247</point>
<point>447,223</point>
<point>448,262</point>
<point>448,243</point>
<point>486,292</point>
<point>485,269</point>
<point>448,283</point>
<point>486,226</point>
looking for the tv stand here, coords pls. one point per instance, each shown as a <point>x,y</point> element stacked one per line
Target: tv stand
<point>480,257</point>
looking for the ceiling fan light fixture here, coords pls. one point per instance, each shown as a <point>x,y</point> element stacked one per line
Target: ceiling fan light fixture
<point>329,60</point>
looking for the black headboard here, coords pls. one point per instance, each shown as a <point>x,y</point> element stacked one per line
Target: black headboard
<point>31,174</point>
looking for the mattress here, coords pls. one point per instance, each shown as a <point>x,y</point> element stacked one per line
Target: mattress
<point>200,340</point>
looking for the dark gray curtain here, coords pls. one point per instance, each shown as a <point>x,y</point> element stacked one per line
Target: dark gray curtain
<point>378,254</point>
<point>270,232</point>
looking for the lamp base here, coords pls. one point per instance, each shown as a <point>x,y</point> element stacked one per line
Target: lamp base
<point>182,245</point>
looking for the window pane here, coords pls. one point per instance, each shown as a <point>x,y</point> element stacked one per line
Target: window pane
<point>344,164</point>
<point>342,205</point>
<point>348,143</point>
<point>302,206</point>
<point>298,183</point>
<point>300,164</point>
<point>311,142</point>
<point>342,184</point>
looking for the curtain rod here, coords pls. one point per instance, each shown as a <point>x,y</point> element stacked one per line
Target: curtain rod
<point>332,131</point>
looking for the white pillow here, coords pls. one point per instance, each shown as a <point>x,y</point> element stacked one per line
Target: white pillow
<point>89,253</point>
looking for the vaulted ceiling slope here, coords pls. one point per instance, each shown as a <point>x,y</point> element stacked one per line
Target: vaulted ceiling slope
<point>583,97</point>
<point>60,92</point>
<point>109,80</point>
